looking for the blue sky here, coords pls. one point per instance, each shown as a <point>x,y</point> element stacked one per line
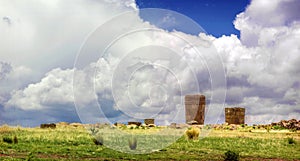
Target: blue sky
<point>215,16</point>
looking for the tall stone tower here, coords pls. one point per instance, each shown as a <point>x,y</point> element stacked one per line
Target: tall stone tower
<point>235,115</point>
<point>195,108</point>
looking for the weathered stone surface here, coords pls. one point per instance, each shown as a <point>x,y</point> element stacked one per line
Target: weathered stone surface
<point>195,108</point>
<point>288,124</point>
<point>134,123</point>
<point>132,126</point>
<point>119,124</point>
<point>62,124</point>
<point>235,115</point>
<point>149,121</point>
<point>193,122</point>
<point>181,126</point>
<point>51,125</point>
<point>76,124</point>
<point>172,125</point>
<point>151,125</point>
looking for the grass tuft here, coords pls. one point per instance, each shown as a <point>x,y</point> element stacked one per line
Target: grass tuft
<point>98,140</point>
<point>193,133</point>
<point>231,156</point>
<point>291,141</point>
<point>132,143</point>
<point>7,139</point>
<point>15,140</point>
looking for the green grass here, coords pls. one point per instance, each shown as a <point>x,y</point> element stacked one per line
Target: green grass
<point>77,144</point>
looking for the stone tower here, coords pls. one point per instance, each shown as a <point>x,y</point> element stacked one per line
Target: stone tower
<point>195,109</point>
<point>235,115</point>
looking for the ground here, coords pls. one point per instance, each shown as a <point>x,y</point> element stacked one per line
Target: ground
<point>76,143</point>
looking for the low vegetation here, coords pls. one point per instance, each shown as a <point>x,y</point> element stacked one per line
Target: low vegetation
<point>291,141</point>
<point>192,133</point>
<point>231,156</point>
<point>76,143</point>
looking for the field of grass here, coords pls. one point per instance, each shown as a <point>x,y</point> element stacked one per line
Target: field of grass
<point>69,143</point>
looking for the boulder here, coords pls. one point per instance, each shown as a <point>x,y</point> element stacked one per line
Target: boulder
<point>76,124</point>
<point>134,123</point>
<point>51,125</point>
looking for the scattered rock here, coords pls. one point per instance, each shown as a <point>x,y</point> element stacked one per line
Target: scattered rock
<point>76,124</point>
<point>119,124</point>
<point>134,123</point>
<point>172,125</point>
<point>51,125</point>
<point>151,125</point>
<point>132,126</point>
<point>288,124</point>
<point>181,126</point>
<point>192,122</point>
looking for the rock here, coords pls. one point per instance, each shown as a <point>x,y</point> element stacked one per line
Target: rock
<point>51,125</point>
<point>76,125</point>
<point>119,124</point>
<point>233,127</point>
<point>288,124</point>
<point>62,124</point>
<point>181,126</point>
<point>172,125</point>
<point>192,122</point>
<point>134,123</point>
<point>151,125</point>
<point>132,126</point>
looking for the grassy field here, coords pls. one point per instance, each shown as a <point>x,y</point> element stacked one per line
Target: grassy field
<point>69,143</point>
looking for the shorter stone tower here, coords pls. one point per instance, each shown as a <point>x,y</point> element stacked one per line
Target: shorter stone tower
<point>149,121</point>
<point>235,115</point>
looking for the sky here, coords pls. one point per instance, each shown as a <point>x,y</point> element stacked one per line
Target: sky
<point>216,17</point>
<point>107,61</point>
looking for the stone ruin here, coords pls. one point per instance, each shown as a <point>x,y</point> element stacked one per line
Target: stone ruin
<point>149,121</point>
<point>51,125</point>
<point>194,109</point>
<point>288,124</point>
<point>235,115</point>
<point>134,123</point>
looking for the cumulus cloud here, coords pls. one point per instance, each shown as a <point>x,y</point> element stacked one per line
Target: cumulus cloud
<point>55,88</point>
<point>263,64</point>
<point>266,18</point>
<point>45,35</point>
<point>133,80</point>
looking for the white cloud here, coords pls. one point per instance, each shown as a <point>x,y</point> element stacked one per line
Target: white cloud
<point>262,68</point>
<point>55,88</point>
<point>260,15</point>
<point>47,34</point>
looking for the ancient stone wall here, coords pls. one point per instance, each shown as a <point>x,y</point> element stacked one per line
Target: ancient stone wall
<point>194,109</point>
<point>235,115</point>
<point>149,121</point>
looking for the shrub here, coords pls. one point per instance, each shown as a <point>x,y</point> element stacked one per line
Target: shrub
<point>192,133</point>
<point>94,130</point>
<point>5,129</point>
<point>291,141</point>
<point>98,140</point>
<point>15,140</point>
<point>231,156</point>
<point>7,139</point>
<point>132,143</point>
<point>30,156</point>
<point>277,127</point>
